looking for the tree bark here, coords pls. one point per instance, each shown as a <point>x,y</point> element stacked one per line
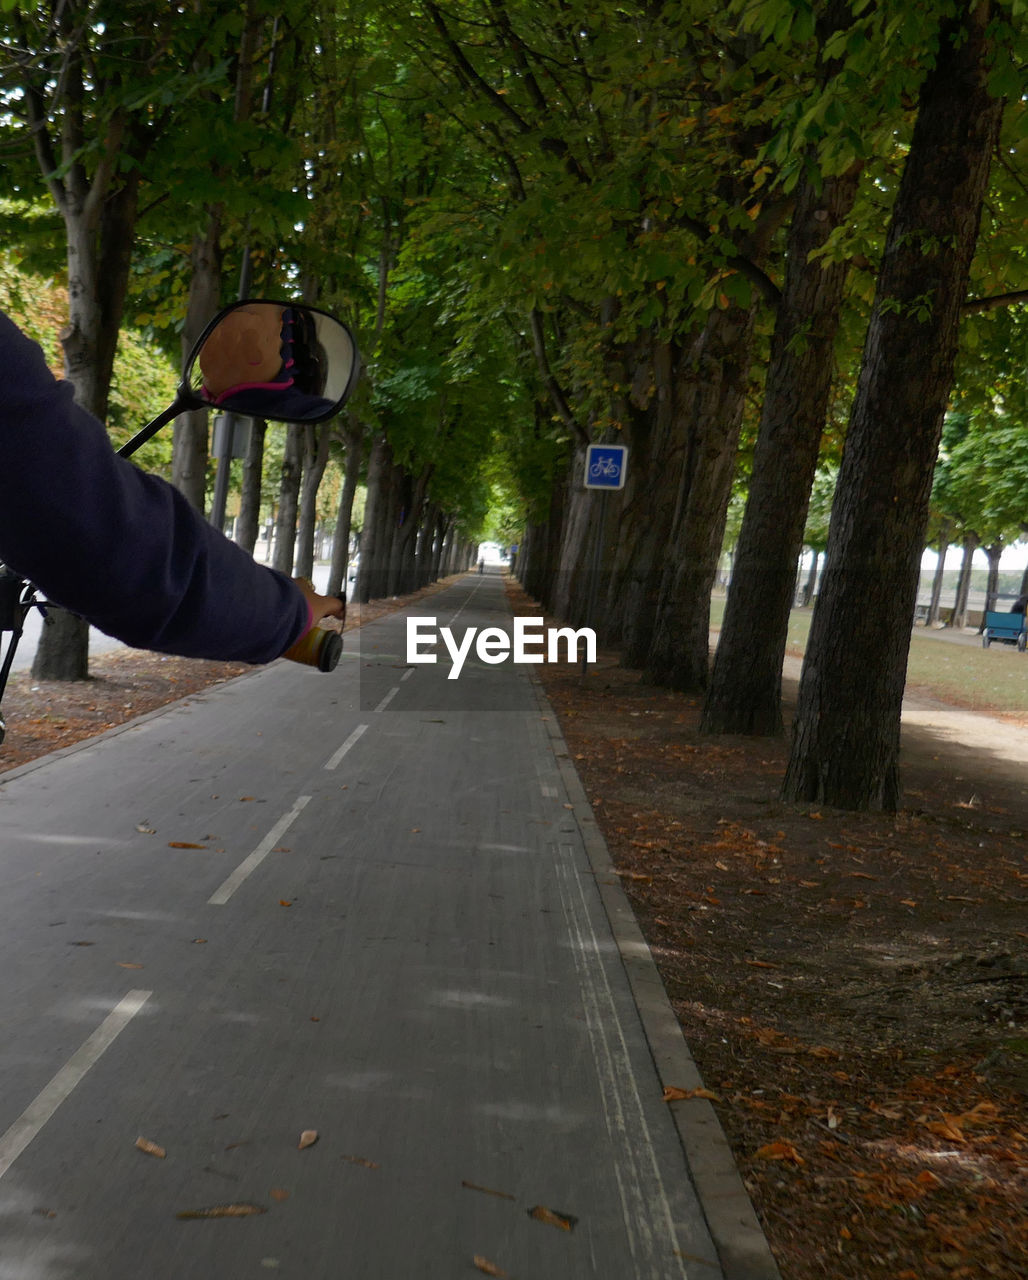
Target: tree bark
<point>288,499</point>
<point>190,445</point>
<point>717,368</point>
<point>810,586</point>
<point>993,552</point>
<point>353,437</point>
<point>248,523</point>
<point>374,553</point>
<point>316,441</point>
<point>939,576</point>
<point>845,749</point>
<point>958,618</point>
<point>746,681</point>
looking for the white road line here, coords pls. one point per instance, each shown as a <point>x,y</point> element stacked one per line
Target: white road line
<point>649,1221</point>
<point>334,760</point>
<point>43,1106</point>
<point>407,675</point>
<point>388,698</point>
<point>548,791</point>
<point>251,863</point>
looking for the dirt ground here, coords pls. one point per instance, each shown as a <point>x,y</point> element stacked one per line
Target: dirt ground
<point>853,987</point>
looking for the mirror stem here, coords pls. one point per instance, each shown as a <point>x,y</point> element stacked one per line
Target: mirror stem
<point>151,429</point>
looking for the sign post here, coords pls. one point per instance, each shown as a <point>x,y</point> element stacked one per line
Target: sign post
<point>606,468</point>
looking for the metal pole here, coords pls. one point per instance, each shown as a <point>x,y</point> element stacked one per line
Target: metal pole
<point>597,566</point>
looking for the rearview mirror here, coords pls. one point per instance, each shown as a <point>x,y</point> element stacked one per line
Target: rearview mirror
<point>265,359</point>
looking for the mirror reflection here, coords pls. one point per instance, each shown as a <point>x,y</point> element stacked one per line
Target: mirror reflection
<point>275,360</point>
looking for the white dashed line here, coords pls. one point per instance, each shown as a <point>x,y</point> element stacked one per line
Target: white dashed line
<point>251,863</point>
<point>334,760</point>
<point>388,698</point>
<point>43,1106</point>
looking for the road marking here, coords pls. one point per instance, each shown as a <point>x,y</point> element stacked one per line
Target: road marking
<point>549,792</point>
<point>334,761</point>
<point>644,1202</point>
<point>43,1106</point>
<point>388,698</point>
<point>254,860</point>
<point>407,675</point>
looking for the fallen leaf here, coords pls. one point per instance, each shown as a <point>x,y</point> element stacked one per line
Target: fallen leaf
<point>364,1164</point>
<point>307,1139</point>
<point>199,940</point>
<point>124,964</point>
<point>279,1194</point>
<point>184,844</point>
<point>907,902</point>
<point>473,1186</point>
<point>284,902</point>
<point>246,799</point>
<point>779,1151</point>
<point>242,1210</point>
<point>151,1148</point>
<point>143,829</point>
<point>762,964</point>
<point>565,1221</point>
<point>672,1093</point>
<point>489,1268</point>
<point>947,1128</point>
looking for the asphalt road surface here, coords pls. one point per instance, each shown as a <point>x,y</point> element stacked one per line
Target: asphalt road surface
<point>389,935</point>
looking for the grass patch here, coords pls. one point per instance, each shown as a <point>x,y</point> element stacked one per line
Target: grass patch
<point>966,675</point>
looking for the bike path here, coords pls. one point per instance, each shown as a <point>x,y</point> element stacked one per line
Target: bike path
<point>391,934</point>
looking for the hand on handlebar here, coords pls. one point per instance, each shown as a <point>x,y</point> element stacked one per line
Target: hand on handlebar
<point>321,606</point>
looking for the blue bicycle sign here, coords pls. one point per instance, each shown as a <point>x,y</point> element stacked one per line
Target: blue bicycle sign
<point>606,466</point>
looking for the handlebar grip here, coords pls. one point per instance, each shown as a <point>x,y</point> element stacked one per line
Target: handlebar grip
<point>318,648</point>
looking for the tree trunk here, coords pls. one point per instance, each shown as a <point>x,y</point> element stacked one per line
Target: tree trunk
<point>845,749</point>
<point>716,375</point>
<point>288,499</point>
<point>958,618</point>
<point>353,437</point>
<point>248,523</point>
<point>810,586</point>
<point>100,242</point>
<point>940,573</point>
<point>316,441</point>
<point>993,552</point>
<point>655,433</point>
<point>371,576</point>
<point>746,681</point>
<point>190,446</point>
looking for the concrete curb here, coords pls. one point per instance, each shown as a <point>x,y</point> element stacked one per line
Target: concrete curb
<point>738,1237</point>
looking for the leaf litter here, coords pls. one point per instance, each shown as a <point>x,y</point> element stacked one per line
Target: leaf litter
<point>886,1049</point>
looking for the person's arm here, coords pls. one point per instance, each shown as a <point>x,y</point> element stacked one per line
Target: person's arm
<point>122,548</point>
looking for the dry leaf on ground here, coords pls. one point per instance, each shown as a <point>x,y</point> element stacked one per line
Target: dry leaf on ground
<point>489,1268</point>
<point>672,1093</point>
<point>242,1210</point>
<point>151,1148</point>
<point>307,1139</point>
<point>473,1186</point>
<point>565,1221</point>
<point>779,1151</point>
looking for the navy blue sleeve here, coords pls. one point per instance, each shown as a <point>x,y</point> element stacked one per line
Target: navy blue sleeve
<point>122,548</point>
